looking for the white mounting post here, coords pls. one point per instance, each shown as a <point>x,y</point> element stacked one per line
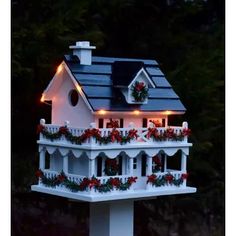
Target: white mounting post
<point>113,218</point>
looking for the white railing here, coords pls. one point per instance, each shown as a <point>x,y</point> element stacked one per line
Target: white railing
<point>123,178</point>
<point>141,133</point>
<point>176,173</point>
<point>75,178</point>
<point>78,178</point>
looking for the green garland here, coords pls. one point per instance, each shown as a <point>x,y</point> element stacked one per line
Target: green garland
<point>114,135</point>
<point>88,133</point>
<point>85,183</point>
<point>167,135</point>
<point>163,180</point>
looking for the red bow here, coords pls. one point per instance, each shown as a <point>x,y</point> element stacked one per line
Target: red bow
<point>94,183</point>
<point>170,133</point>
<point>186,132</point>
<point>115,182</point>
<point>169,177</point>
<point>63,130</point>
<point>152,132</point>
<point>184,176</point>
<point>40,128</point>
<point>132,180</point>
<point>39,174</point>
<point>133,133</point>
<point>151,178</point>
<point>115,135</point>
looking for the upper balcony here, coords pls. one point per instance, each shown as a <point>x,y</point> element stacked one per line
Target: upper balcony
<point>112,141</point>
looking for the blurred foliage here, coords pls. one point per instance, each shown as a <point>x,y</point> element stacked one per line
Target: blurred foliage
<point>186,38</point>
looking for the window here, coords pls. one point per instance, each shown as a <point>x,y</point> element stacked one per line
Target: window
<point>144,122</point>
<point>73,97</point>
<point>100,123</point>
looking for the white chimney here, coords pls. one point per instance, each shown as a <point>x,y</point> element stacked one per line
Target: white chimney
<point>83,50</point>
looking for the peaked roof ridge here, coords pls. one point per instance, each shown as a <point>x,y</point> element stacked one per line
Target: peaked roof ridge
<point>111,60</point>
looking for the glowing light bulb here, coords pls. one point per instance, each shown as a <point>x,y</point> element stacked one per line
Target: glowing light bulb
<point>42,98</point>
<point>102,112</point>
<point>78,88</point>
<point>59,68</point>
<point>168,112</point>
<point>136,112</point>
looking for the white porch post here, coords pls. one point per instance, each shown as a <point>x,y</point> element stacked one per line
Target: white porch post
<point>183,162</point>
<point>165,162</point>
<point>91,167</point>
<point>131,165</point>
<point>149,165</point>
<point>65,164</point>
<point>111,218</point>
<point>42,159</point>
<point>166,121</point>
<point>184,165</point>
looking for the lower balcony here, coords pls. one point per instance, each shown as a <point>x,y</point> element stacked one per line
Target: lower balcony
<point>107,188</point>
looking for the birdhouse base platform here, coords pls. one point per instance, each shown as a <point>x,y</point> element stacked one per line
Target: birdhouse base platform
<point>115,195</point>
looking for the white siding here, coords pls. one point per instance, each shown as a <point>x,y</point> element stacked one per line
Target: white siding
<point>79,115</point>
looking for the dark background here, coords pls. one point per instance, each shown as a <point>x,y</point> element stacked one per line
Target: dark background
<point>186,38</point>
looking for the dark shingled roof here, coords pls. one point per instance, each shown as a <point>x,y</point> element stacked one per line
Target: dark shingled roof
<point>100,80</point>
<point>123,72</point>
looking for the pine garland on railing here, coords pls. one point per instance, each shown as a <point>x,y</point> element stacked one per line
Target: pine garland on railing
<point>167,135</point>
<point>114,136</point>
<point>85,183</point>
<point>168,178</point>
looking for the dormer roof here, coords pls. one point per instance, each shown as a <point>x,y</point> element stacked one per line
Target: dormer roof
<point>101,82</point>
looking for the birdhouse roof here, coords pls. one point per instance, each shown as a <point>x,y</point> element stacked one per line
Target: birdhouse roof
<point>100,83</point>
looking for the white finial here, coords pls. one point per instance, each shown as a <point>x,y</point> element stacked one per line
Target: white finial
<point>66,123</point>
<point>92,125</point>
<point>42,121</point>
<point>151,125</point>
<point>185,125</point>
<point>131,125</point>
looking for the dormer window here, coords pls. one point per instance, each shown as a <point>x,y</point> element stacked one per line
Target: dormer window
<point>132,80</point>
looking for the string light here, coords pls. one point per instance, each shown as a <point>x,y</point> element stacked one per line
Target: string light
<point>168,112</point>
<point>42,98</point>
<point>102,112</point>
<point>136,112</point>
<point>59,68</point>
